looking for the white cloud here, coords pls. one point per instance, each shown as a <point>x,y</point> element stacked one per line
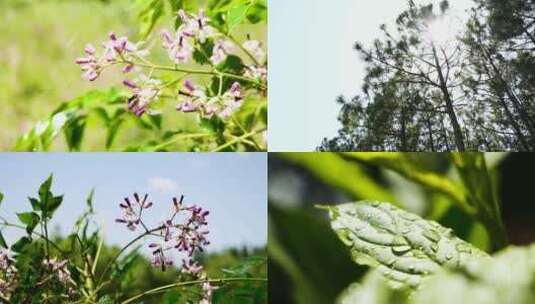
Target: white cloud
<point>162,184</point>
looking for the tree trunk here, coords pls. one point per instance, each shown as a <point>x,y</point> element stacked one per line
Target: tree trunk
<point>459,141</point>
<point>516,102</point>
<point>509,115</point>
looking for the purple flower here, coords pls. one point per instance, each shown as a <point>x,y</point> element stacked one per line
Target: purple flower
<point>193,97</point>
<point>231,101</point>
<point>220,51</point>
<point>89,64</point>
<point>160,260</point>
<point>9,275</point>
<point>191,267</point>
<point>255,48</point>
<point>121,48</point>
<point>116,50</point>
<point>132,212</point>
<point>188,106</point>
<point>145,90</point>
<point>59,268</point>
<point>208,291</point>
<point>256,72</point>
<point>178,46</point>
<point>181,231</point>
<point>196,25</point>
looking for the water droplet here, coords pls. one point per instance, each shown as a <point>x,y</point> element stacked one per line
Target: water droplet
<point>463,248</point>
<point>432,235</point>
<point>409,216</point>
<point>401,250</point>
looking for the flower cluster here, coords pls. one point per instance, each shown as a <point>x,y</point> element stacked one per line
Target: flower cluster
<point>194,99</point>
<point>8,274</point>
<point>116,50</point>
<point>132,211</point>
<point>183,232</point>
<point>59,269</point>
<point>197,271</point>
<point>144,91</point>
<point>181,44</point>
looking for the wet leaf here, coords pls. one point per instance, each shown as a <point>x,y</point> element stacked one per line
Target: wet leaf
<point>401,245</point>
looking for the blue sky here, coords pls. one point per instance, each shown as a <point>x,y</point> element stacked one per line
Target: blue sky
<point>312,61</point>
<point>233,186</point>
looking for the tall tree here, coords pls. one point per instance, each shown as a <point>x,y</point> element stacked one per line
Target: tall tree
<point>426,93</point>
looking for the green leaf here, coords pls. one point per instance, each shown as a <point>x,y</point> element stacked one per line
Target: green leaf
<point>105,300</point>
<point>373,289</point>
<point>258,12</point>
<point>3,241</point>
<point>89,200</point>
<point>36,206</point>
<point>44,189</point>
<point>53,204</point>
<point>1,197</point>
<point>406,167</point>
<point>333,170</point>
<point>232,64</point>
<point>40,137</point>
<point>20,245</point>
<point>171,297</point>
<point>213,125</point>
<point>508,277</point>
<point>472,168</point>
<point>252,111</point>
<point>237,14</point>
<point>200,55</point>
<point>74,132</point>
<point>149,13</point>
<point>187,5</point>
<point>30,219</point>
<point>402,246</point>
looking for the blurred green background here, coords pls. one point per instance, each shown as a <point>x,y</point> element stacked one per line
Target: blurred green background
<point>39,43</point>
<point>307,262</point>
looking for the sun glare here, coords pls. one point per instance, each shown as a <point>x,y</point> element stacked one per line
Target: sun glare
<point>441,30</point>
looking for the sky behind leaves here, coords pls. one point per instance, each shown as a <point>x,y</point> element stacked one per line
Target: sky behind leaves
<point>312,42</point>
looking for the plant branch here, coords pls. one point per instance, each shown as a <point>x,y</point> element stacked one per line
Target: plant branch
<point>132,242</point>
<point>238,139</point>
<point>189,283</point>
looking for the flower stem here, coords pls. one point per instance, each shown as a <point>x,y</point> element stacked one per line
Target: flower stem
<point>7,224</point>
<point>180,137</point>
<point>132,242</point>
<point>189,283</point>
<point>238,139</point>
<point>198,72</point>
